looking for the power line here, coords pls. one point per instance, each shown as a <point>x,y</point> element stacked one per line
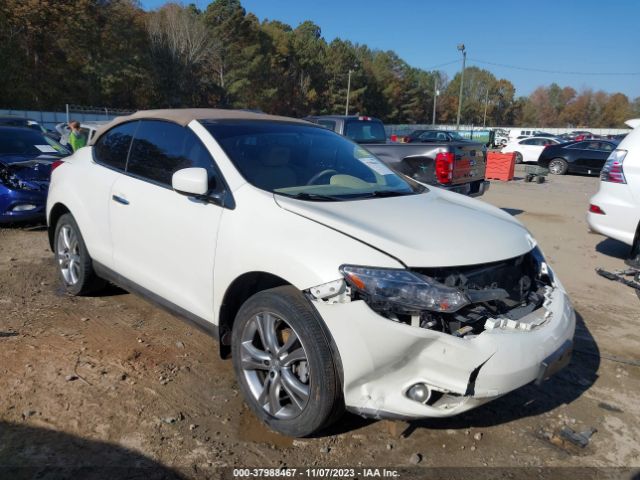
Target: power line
<point>553,71</point>
<point>442,65</point>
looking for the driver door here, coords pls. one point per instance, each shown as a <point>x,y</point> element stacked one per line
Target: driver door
<point>163,241</point>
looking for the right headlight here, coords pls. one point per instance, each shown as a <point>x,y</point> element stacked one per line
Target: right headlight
<point>406,290</point>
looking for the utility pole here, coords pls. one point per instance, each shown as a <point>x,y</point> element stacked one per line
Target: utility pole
<point>486,104</point>
<point>464,61</point>
<point>346,108</point>
<point>435,99</point>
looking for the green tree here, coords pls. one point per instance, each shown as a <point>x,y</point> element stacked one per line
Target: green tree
<point>481,90</point>
<point>616,111</point>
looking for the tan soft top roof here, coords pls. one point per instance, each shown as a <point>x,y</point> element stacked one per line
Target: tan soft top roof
<point>183,116</point>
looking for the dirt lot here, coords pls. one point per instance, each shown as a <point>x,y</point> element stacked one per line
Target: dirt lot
<point>112,381</point>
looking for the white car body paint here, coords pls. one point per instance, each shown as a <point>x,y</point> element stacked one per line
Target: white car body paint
<point>165,242</point>
<point>190,252</point>
<point>620,201</point>
<point>410,237</point>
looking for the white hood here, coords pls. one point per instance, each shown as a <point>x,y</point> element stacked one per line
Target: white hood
<point>434,229</point>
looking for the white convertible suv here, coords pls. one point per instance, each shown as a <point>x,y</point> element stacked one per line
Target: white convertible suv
<point>330,280</point>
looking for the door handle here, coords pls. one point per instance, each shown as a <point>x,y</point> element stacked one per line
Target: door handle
<point>121,200</point>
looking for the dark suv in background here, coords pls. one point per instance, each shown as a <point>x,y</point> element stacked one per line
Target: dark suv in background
<point>359,128</point>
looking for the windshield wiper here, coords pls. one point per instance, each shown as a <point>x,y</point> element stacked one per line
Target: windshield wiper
<point>314,196</point>
<point>389,193</point>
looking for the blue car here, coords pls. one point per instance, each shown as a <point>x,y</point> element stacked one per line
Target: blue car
<point>26,157</point>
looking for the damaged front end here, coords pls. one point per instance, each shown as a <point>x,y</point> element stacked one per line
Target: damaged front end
<point>458,301</point>
<point>29,176</point>
<point>23,190</point>
<point>438,341</point>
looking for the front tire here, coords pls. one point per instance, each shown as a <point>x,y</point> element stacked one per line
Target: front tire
<point>558,166</point>
<point>74,264</point>
<point>283,362</point>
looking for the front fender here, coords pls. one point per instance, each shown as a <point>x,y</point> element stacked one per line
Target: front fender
<point>258,235</point>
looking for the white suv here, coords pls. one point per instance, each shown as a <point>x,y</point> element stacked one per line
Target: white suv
<point>332,281</point>
<point>615,210</point>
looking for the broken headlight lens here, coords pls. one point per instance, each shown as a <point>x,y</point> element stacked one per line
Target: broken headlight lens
<point>407,290</point>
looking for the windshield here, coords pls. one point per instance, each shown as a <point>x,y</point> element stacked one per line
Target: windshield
<point>307,162</point>
<point>18,141</point>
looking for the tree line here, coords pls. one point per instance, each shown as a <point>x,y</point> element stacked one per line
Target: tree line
<point>113,53</point>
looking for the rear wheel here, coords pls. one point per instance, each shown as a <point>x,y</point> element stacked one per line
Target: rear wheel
<point>519,157</point>
<point>558,166</point>
<point>283,363</point>
<point>72,258</point>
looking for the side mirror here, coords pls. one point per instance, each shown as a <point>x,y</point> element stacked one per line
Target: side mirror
<point>191,181</point>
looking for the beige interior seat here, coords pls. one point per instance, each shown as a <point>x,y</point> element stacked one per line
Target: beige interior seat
<point>273,170</point>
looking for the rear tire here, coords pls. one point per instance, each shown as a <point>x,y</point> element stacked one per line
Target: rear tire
<point>74,263</point>
<point>519,157</point>
<point>558,166</point>
<point>283,363</point>
<point>539,179</point>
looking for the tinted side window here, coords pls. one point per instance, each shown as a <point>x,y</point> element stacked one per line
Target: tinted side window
<point>113,147</point>
<point>428,136</point>
<point>527,142</point>
<point>330,124</point>
<point>365,131</point>
<point>162,148</point>
<point>580,145</point>
<point>607,147</point>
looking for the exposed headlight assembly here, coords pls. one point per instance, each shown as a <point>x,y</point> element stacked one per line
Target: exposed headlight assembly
<point>405,291</point>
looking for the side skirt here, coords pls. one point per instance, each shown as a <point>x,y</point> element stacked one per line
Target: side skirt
<point>117,279</point>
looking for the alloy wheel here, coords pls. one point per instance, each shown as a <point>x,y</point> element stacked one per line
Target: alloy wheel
<point>556,167</point>
<point>275,365</point>
<point>68,253</point>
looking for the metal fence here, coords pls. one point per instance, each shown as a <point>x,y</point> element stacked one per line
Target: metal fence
<point>405,129</point>
<point>87,114</point>
<point>72,112</point>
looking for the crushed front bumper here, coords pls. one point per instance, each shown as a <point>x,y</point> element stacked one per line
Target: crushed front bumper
<point>382,359</point>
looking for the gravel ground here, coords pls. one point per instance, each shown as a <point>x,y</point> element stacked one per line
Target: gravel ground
<point>113,382</point>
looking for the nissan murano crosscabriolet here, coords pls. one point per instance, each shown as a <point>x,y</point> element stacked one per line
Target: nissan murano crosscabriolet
<point>331,281</point>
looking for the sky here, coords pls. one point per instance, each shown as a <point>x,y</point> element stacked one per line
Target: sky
<point>597,40</point>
